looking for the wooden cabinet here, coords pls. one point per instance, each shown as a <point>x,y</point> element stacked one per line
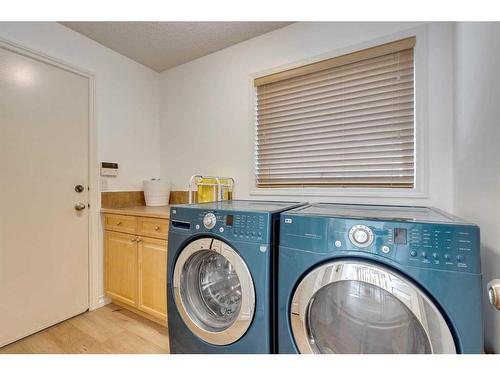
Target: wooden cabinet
<point>135,264</point>
<point>120,265</point>
<point>153,277</point>
<point>152,227</point>
<point>121,223</point>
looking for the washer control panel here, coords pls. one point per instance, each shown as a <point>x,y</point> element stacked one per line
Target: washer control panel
<point>236,225</point>
<point>361,235</point>
<point>248,226</point>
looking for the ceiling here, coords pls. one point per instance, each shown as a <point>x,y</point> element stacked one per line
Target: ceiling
<point>163,45</point>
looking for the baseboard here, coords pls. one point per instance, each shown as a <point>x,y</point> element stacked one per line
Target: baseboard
<point>103,301</point>
<point>162,322</point>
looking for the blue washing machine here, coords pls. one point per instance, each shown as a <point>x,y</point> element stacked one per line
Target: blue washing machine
<point>378,279</point>
<point>220,285</point>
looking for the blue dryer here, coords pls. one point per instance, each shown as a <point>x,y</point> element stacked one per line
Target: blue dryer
<point>378,279</point>
<point>220,276</point>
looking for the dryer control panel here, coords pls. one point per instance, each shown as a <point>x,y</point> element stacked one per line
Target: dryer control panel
<point>429,245</point>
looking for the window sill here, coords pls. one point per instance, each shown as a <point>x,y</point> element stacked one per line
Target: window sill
<point>341,192</point>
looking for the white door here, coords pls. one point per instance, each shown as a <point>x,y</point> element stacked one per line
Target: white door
<point>44,126</point>
<point>357,307</point>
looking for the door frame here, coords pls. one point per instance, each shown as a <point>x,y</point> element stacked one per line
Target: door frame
<point>94,297</point>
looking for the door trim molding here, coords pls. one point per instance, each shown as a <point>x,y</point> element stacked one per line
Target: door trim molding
<point>94,298</point>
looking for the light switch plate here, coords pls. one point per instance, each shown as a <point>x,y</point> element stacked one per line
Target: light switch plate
<point>104,184</point>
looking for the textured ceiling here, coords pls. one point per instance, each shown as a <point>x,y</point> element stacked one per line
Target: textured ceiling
<point>162,45</point>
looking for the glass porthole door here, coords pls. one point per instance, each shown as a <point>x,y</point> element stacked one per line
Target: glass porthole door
<point>357,307</point>
<point>214,291</point>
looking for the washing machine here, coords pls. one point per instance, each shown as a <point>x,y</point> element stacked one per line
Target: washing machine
<point>378,279</point>
<point>220,282</point>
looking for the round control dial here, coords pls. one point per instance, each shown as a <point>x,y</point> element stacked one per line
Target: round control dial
<point>209,220</point>
<point>361,235</point>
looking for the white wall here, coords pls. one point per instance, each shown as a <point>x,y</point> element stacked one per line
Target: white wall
<point>126,97</point>
<point>206,114</point>
<point>126,102</point>
<point>477,148</point>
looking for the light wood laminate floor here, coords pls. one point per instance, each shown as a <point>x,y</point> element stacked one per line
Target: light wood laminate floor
<point>107,330</point>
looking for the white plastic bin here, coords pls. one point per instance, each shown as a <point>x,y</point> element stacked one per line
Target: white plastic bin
<point>156,192</point>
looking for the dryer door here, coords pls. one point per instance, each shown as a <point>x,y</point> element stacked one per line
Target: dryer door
<point>359,307</point>
<point>214,291</point>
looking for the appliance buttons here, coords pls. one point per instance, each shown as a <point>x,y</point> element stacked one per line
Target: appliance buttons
<point>338,243</point>
<point>413,253</point>
<point>386,249</point>
<point>460,258</point>
<point>435,255</point>
<point>221,229</point>
<point>424,254</point>
<point>361,235</point>
<point>209,220</point>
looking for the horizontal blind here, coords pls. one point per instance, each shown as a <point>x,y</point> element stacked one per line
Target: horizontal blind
<point>347,121</point>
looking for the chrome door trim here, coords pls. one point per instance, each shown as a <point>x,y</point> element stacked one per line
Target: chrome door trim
<point>437,331</point>
<point>245,316</point>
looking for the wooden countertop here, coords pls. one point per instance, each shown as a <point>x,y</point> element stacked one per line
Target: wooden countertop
<point>162,212</point>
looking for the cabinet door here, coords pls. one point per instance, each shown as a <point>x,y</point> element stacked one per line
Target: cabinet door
<point>153,277</point>
<point>120,267</point>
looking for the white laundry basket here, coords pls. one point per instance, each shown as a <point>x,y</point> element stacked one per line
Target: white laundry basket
<point>156,192</point>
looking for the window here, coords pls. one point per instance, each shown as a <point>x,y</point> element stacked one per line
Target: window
<point>343,122</point>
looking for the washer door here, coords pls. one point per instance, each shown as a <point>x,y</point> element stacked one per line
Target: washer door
<point>214,291</point>
<point>359,307</point>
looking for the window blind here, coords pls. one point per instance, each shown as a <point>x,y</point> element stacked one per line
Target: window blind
<point>346,121</point>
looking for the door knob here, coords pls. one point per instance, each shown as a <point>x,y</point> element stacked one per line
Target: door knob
<point>494,292</point>
<point>80,206</point>
<point>79,188</point>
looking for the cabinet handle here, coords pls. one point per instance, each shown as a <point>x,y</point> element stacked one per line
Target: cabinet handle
<point>157,228</point>
<point>134,240</point>
<point>119,223</point>
<point>139,240</point>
